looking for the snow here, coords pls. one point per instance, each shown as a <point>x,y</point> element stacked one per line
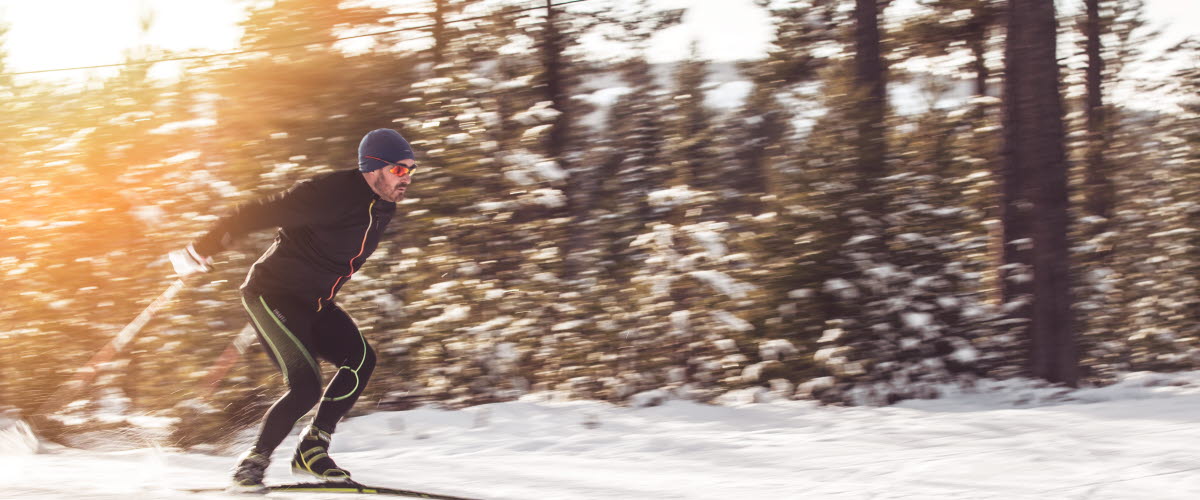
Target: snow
<point>602,101</point>
<point>708,236</point>
<point>917,321</point>
<point>729,95</point>
<point>800,293</point>
<point>673,196</point>
<point>568,325</point>
<point>535,132</point>
<point>452,313</point>
<point>680,320</point>
<point>549,198</point>
<point>732,321</point>
<point>723,283</point>
<point>1001,440</point>
<point>540,113</point>
<point>776,349</point>
<point>550,170</point>
<point>830,335</point>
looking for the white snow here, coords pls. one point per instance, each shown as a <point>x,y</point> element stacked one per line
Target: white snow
<point>568,325</point>
<point>1002,440</point>
<point>723,283</point>
<point>776,349</point>
<point>680,321</point>
<point>708,235</point>
<point>602,101</point>
<point>535,132</point>
<point>673,196</point>
<point>729,95</point>
<point>830,335</point>
<point>917,320</point>
<point>540,113</point>
<point>550,170</point>
<point>549,198</point>
<point>452,313</point>
<point>732,321</point>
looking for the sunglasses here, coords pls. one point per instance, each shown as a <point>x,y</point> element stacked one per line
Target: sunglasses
<point>397,168</point>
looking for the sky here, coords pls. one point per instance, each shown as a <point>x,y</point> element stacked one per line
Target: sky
<point>1001,440</point>
<point>46,34</point>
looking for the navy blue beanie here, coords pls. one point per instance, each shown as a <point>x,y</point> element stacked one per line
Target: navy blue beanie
<point>385,144</point>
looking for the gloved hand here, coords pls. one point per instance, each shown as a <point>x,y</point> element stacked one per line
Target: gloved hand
<point>187,262</point>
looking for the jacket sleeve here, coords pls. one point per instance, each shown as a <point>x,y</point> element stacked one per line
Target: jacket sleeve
<point>303,204</point>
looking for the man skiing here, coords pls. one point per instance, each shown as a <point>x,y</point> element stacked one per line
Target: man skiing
<point>328,226</point>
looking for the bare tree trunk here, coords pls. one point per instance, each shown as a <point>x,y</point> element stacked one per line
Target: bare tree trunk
<point>578,238</point>
<point>1035,171</point>
<point>979,65</point>
<point>871,83</point>
<point>981,20</point>
<point>440,41</point>
<point>1101,193</point>
<point>552,54</point>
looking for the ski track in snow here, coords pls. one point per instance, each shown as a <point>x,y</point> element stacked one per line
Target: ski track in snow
<point>1138,439</point>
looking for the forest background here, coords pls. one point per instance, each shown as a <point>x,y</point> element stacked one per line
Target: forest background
<point>889,205</point>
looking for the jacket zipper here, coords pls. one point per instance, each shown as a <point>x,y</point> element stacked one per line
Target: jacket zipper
<point>362,248</point>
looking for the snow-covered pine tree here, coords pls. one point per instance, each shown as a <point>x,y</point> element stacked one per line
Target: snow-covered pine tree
<point>916,316</point>
<point>488,205</point>
<point>1110,39</point>
<point>695,323</point>
<point>693,142</point>
<point>1157,258</point>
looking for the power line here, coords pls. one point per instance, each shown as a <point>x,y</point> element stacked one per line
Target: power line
<point>290,46</point>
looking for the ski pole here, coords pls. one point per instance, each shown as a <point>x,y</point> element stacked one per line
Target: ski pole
<point>86,373</point>
<point>237,348</point>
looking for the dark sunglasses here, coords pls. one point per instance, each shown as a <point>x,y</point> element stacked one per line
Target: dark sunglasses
<point>397,168</point>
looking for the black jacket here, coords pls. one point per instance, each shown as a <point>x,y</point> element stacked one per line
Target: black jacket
<point>329,225</point>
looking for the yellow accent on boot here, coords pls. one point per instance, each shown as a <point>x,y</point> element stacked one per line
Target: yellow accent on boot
<point>304,462</point>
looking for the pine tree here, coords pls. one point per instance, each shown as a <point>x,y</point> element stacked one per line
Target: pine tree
<point>1155,262</point>
<point>696,326</point>
<point>283,95</point>
<point>948,26</point>
<point>693,141</point>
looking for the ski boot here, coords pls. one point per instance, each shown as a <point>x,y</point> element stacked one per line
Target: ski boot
<point>248,474</point>
<point>312,457</point>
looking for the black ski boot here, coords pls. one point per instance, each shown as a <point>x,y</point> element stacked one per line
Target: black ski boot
<point>248,474</point>
<point>312,457</point>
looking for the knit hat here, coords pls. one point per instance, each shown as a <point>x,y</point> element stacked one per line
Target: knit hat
<point>382,144</point>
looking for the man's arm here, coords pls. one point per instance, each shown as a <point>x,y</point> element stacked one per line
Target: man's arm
<point>304,203</point>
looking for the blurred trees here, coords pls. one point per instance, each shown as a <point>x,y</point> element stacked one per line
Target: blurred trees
<point>949,26</point>
<point>850,229</point>
<point>1155,270</point>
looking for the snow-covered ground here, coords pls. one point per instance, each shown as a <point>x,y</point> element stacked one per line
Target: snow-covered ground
<point>1005,440</point>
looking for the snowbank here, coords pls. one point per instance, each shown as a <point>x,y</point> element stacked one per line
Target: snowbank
<point>1001,440</point>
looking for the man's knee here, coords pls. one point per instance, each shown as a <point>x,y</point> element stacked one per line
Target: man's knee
<point>305,386</point>
<point>368,364</point>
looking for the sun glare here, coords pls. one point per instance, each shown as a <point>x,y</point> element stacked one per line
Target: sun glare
<point>49,34</point>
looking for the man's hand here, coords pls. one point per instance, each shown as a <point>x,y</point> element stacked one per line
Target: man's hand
<point>187,262</point>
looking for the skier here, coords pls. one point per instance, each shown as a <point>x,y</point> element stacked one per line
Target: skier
<point>329,225</point>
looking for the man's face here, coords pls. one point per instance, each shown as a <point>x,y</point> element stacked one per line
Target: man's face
<point>388,185</point>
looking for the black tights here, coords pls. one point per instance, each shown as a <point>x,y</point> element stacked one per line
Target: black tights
<point>292,331</point>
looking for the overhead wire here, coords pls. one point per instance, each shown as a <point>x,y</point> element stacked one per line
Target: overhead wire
<point>291,46</point>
